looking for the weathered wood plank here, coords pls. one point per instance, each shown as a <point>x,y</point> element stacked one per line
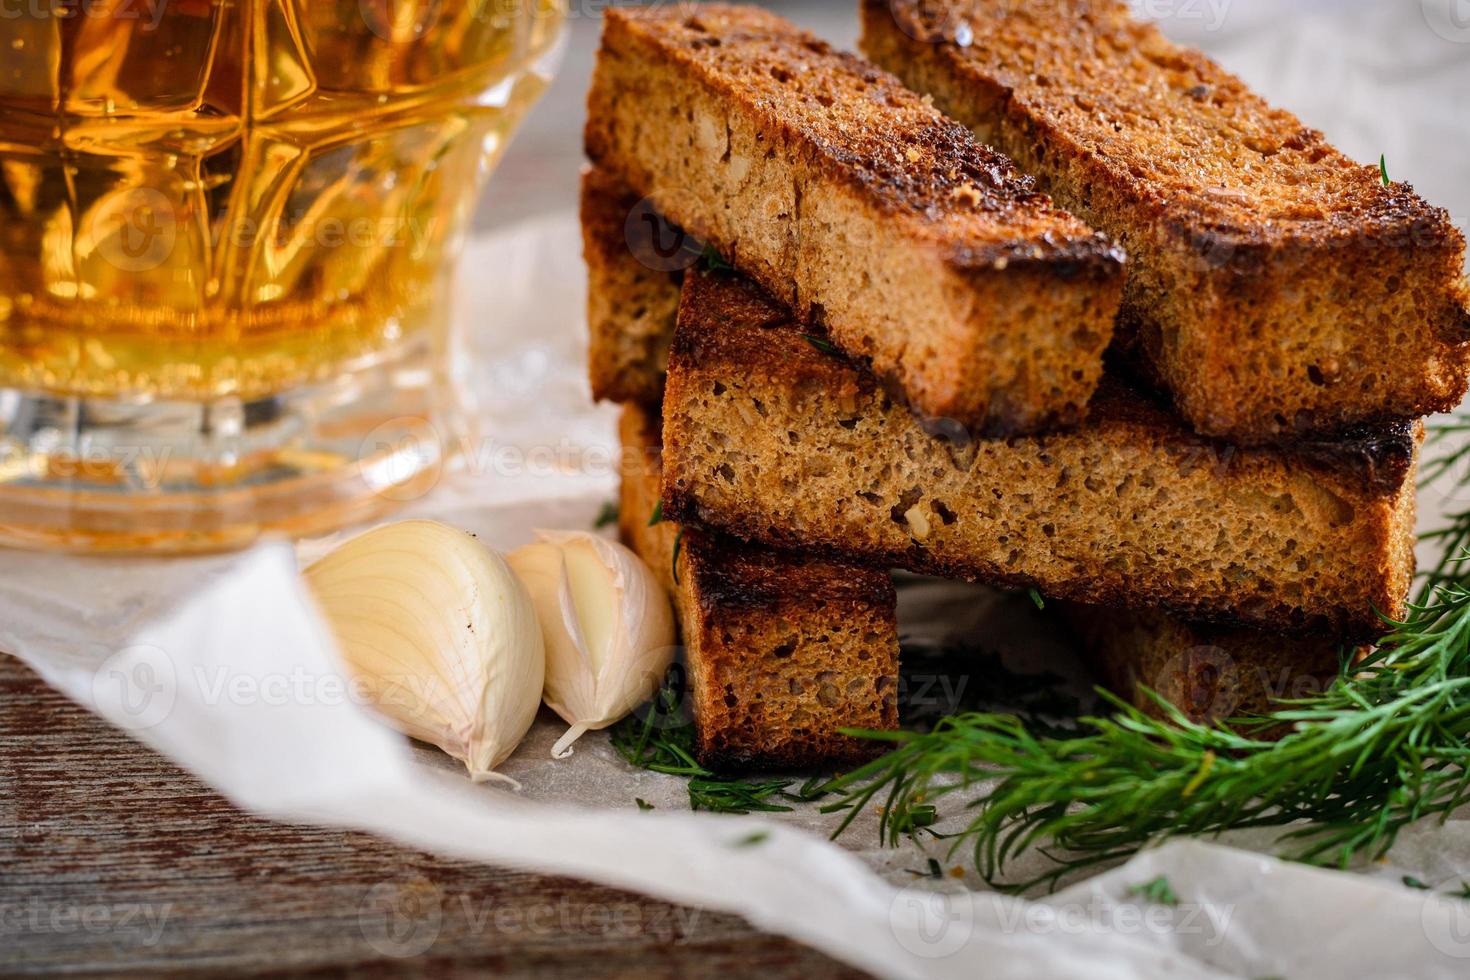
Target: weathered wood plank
<point>113,860</point>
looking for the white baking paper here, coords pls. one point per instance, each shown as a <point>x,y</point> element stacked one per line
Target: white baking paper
<point>221,664</point>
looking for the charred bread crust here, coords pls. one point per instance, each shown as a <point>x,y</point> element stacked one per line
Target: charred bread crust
<point>1209,673</point>
<point>772,437</point>
<point>783,650</point>
<point>727,319</point>
<point>1275,288</point>
<point>737,575</point>
<point>860,206</point>
<point>1378,459</point>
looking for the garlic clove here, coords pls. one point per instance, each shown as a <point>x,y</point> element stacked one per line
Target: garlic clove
<point>607,624</point>
<point>440,633</point>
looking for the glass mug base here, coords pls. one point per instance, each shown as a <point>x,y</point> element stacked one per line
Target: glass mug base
<point>219,225</point>
<point>111,476</point>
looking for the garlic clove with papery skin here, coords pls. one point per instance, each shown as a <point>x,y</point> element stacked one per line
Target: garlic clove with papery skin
<point>607,624</point>
<point>440,633</point>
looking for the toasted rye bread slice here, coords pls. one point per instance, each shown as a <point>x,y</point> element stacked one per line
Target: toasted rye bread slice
<point>632,294</point>
<point>860,206</point>
<point>1274,287</point>
<point>770,437</point>
<point>1209,673</point>
<point>783,651</point>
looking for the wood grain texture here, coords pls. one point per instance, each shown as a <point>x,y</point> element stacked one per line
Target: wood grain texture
<point>112,860</point>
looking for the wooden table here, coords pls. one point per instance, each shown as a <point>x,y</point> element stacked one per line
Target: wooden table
<point>113,860</point>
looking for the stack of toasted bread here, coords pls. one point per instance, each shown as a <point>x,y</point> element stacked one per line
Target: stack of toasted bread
<point>1164,368</point>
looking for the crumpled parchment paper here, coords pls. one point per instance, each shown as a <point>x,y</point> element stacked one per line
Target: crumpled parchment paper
<point>221,664</point>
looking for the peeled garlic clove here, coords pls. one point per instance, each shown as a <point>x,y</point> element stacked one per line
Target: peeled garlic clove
<point>607,624</point>
<point>442,635</point>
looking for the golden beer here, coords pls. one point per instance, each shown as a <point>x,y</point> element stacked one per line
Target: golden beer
<point>226,230</point>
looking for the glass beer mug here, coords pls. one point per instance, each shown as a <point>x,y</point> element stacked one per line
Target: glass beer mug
<point>227,229</point>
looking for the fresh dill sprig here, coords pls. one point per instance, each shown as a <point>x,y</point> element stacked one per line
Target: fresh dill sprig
<point>1383,168</point>
<point>660,738</point>
<point>606,517</point>
<point>657,517</point>
<point>1387,744</point>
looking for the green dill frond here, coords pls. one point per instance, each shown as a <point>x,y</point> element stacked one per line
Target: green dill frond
<point>1386,745</point>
